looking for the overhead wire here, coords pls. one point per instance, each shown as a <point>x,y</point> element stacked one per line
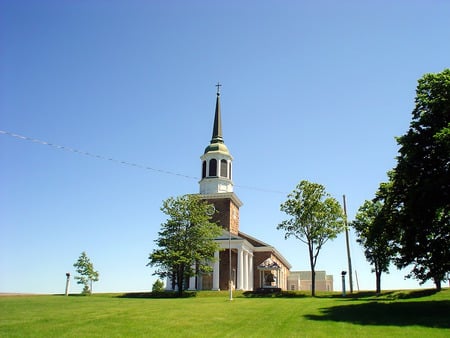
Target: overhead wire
<point>122,162</point>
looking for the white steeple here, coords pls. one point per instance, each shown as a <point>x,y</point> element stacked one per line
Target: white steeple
<point>216,160</point>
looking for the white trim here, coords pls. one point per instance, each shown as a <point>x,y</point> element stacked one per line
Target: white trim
<point>223,195</point>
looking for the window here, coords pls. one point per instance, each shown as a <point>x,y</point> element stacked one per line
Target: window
<point>223,168</point>
<point>204,169</point>
<point>213,167</point>
<point>229,171</point>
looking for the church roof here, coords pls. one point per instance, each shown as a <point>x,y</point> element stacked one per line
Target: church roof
<point>226,235</point>
<point>262,246</point>
<point>258,246</point>
<point>255,242</point>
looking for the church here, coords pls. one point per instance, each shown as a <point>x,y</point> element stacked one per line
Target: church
<point>243,262</point>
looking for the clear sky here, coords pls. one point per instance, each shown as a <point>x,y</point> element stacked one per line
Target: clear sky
<point>312,90</point>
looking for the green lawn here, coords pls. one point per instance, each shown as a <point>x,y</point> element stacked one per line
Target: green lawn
<point>211,314</point>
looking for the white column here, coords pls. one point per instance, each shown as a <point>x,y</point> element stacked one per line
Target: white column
<point>250,271</point>
<point>168,284</point>
<point>245,285</point>
<point>216,271</point>
<point>219,166</point>
<point>240,274</point>
<point>192,283</point>
<point>281,282</point>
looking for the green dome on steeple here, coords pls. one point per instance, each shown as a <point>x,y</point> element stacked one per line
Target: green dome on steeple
<point>220,147</point>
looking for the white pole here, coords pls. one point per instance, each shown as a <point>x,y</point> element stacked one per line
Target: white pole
<point>343,273</point>
<point>230,286</point>
<point>67,283</point>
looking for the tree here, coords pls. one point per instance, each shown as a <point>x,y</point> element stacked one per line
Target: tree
<point>87,274</point>
<point>420,195</point>
<point>316,217</point>
<point>186,243</point>
<point>158,286</point>
<point>370,228</point>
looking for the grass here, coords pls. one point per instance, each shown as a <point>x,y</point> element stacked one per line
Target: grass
<point>211,314</point>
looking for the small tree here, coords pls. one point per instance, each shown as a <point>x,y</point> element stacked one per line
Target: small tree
<point>186,243</point>
<point>87,274</point>
<point>316,217</point>
<point>371,231</point>
<point>158,286</point>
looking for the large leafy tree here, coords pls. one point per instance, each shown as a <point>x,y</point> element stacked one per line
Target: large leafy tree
<point>370,227</point>
<point>315,217</point>
<point>420,196</point>
<point>185,246</point>
<point>86,273</point>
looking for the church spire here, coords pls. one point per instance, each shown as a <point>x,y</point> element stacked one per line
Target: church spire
<point>217,128</point>
<point>216,160</point>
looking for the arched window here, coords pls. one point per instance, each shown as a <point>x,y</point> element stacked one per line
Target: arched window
<point>223,168</point>
<point>204,169</point>
<point>229,172</point>
<point>213,167</point>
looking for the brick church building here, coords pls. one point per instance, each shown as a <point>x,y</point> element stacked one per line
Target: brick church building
<point>247,262</point>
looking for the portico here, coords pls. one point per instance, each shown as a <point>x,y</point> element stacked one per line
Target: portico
<point>240,272</point>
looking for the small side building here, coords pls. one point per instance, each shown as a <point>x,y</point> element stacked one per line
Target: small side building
<point>302,281</point>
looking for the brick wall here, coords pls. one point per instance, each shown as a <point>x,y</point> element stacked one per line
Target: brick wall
<point>227,214</point>
<point>224,269</point>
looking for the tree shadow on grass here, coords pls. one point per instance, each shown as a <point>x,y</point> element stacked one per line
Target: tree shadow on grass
<point>427,313</point>
<point>274,294</point>
<point>414,294</point>
<point>385,295</point>
<point>162,294</point>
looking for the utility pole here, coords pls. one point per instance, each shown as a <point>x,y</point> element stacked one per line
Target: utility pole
<point>348,248</point>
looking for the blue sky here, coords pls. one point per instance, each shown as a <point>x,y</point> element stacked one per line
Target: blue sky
<point>313,90</point>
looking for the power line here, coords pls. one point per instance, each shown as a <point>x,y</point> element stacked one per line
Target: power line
<point>111,159</point>
<point>101,157</point>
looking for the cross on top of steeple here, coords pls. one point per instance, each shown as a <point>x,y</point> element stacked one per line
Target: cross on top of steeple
<point>218,85</point>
